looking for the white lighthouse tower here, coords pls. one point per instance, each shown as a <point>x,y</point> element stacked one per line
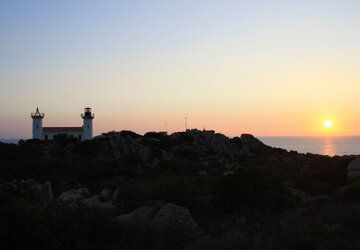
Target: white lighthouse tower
<point>88,124</point>
<point>37,124</point>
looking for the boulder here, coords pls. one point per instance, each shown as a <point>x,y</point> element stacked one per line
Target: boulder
<point>233,165</point>
<point>252,145</point>
<point>59,186</point>
<point>11,186</point>
<point>162,220</point>
<point>173,218</point>
<point>322,200</point>
<point>122,144</point>
<point>116,193</point>
<point>202,173</point>
<point>44,192</point>
<point>354,169</point>
<point>84,192</point>
<point>31,183</point>
<point>141,216</point>
<point>228,173</point>
<point>96,201</point>
<point>106,194</point>
<point>70,195</point>
<point>165,155</point>
<point>298,193</point>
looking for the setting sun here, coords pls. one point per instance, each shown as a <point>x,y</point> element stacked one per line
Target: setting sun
<point>328,124</point>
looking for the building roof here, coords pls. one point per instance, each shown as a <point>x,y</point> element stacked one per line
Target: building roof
<point>62,129</point>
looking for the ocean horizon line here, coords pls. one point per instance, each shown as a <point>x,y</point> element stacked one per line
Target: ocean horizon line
<point>257,136</point>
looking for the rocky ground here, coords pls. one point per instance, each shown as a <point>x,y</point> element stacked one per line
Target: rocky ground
<point>188,190</point>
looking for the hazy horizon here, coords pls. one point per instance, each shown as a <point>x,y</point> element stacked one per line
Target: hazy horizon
<point>257,136</point>
<point>268,69</point>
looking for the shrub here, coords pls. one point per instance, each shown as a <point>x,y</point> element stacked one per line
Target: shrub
<point>64,139</point>
<point>246,186</point>
<point>177,189</point>
<point>129,133</point>
<point>184,152</point>
<point>350,192</point>
<point>54,226</point>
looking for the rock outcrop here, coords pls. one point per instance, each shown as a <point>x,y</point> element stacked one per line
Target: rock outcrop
<point>203,144</point>
<point>122,144</point>
<point>84,192</point>
<point>354,169</point>
<point>98,202</point>
<point>169,219</point>
<point>44,192</point>
<point>102,200</point>
<point>209,141</point>
<point>173,218</point>
<point>70,195</point>
<point>141,216</point>
<point>31,183</point>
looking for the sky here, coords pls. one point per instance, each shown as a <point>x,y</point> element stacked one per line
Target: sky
<point>269,68</point>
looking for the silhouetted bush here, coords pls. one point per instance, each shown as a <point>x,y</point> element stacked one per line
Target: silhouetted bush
<point>186,153</point>
<point>132,159</point>
<point>54,226</point>
<point>129,133</point>
<point>86,150</point>
<point>151,142</point>
<point>64,139</point>
<point>350,192</point>
<point>244,187</point>
<point>180,190</point>
<point>185,138</point>
<point>159,140</point>
<point>173,168</point>
<point>155,135</point>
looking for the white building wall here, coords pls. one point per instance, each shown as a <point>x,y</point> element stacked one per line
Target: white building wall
<point>88,129</point>
<point>37,128</point>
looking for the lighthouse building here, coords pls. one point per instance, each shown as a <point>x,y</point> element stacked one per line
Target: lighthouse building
<point>84,132</point>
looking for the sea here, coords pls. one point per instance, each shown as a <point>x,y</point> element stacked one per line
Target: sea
<point>15,141</point>
<point>325,145</point>
<point>336,145</point>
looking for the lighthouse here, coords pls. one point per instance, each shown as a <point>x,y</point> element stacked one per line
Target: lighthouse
<point>84,132</point>
<point>37,124</point>
<point>88,123</point>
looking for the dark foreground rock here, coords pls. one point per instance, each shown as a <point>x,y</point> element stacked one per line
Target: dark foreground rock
<point>354,169</point>
<point>163,223</point>
<point>188,190</point>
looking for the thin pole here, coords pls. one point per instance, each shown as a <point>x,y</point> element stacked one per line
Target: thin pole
<point>185,124</point>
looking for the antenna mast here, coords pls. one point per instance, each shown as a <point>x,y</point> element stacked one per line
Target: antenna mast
<point>185,124</point>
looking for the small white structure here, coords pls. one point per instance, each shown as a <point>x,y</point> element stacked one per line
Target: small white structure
<point>47,133</point>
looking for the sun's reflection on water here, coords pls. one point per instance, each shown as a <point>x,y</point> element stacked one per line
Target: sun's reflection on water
<point>328,148</point>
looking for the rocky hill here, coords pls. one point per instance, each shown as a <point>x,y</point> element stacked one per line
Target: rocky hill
<point>188,190</point>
